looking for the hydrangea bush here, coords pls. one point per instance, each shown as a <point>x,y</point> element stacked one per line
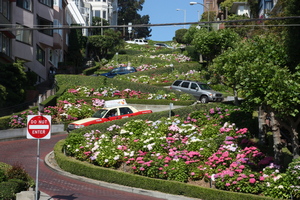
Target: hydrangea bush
<point>188,150</point>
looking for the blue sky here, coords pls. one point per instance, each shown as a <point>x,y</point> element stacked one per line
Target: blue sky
<point>165,11</point>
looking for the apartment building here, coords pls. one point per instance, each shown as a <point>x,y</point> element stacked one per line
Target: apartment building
<point>6,37</point>
<point>106,9</point>
<point>28,39</point>
<point>40,48</point>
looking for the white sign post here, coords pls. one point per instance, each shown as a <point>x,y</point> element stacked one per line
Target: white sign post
<point>38,127</point>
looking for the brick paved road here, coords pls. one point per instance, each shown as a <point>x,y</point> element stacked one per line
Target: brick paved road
<point>24,152</point>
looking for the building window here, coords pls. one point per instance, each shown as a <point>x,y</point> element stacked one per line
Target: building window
<point>4,8</point>
<point>269,6</point>
<point>104,0</point>
<point>25,4</point>
<point>97,13</point>
<point>57,24</point>
<point>40,55</point>
<point>23,35</point>
<point>104,14</point>
<point>4,44</point>
<point>43,23</point>
<point>50,55</point>
<point>47,3</point>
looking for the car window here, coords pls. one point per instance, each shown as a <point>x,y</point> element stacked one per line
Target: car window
<point>194,86</point>
<point>100,113</point>
<point>176,83</point>
<point>125,110</point>
<point>115,70</point>
<point>112,113</point>
<point>205,87</point>
<point>185,84</point>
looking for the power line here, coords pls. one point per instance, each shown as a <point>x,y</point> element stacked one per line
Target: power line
<point>37,27</point>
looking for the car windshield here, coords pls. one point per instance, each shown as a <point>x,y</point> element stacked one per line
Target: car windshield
<point>204,87</point>
<point>100,113</point>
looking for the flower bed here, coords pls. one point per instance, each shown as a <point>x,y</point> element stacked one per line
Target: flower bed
<point>202,147</point>
<point>71,106</point>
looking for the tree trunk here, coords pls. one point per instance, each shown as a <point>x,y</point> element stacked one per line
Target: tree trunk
<point>236,98</point>
<point>262,125</point>
<point>291,124</point>
<point>295,143</point>
<point>277,146</point>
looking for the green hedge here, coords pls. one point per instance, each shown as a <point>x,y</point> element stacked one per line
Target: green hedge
<point>69,81</point>
<point>118,177</point>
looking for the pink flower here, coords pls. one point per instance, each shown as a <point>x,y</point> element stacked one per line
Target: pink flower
<point>227,184</point>
<point>252,180</point>
<point>242,166</point>
<point>193,173</point>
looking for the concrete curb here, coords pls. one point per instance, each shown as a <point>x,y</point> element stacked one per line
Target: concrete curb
<point>20,133</point>
<point>151,193</point>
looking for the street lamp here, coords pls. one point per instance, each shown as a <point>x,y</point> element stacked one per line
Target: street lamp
<point>194,3</point>
<point>184,11</point>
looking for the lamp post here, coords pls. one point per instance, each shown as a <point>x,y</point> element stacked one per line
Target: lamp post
<point>194,3</point>
<point>184,12</point>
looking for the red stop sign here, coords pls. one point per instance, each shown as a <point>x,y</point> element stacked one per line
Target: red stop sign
<point>38,126</point>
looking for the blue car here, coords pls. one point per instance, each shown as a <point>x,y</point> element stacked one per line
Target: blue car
<point>119,71</point>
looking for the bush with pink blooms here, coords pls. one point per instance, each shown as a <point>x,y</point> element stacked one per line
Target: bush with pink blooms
<point>180,150</point>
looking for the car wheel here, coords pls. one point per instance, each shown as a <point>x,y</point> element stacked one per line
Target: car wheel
<point>203,99</point>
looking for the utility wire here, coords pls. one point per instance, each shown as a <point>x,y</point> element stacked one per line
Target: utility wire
<point>12,27</point>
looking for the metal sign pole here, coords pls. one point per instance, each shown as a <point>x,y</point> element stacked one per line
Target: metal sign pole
<point>37,171</point>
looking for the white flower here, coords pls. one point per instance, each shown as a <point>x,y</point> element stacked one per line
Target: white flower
<point>106,160</point>
<point>213,177</point>
<point>116,157</point>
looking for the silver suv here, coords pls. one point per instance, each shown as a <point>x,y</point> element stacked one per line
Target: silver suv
<point>199,90</point>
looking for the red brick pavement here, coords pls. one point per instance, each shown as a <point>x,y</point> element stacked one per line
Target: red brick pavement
<point>24,152</point>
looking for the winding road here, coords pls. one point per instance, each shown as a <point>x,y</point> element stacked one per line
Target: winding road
<point>58,187</point>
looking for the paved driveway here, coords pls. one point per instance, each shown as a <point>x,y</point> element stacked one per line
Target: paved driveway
<point>24,152</point>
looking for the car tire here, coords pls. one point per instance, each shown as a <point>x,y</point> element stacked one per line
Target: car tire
<point>203,99</point>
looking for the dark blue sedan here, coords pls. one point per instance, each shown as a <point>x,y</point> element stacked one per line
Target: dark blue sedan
<point>119,71</point>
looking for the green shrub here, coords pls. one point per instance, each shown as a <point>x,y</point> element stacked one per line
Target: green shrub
<point>8,190</point>
<point>18,172</point>
<point>4,122</point>
<point>3,176</point>
<point>21,185</point>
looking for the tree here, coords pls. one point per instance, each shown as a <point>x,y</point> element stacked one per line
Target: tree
<point>257,69</point>
<point>76,44</point>
<point>189,35</point>
<point>97,21</point>
<point>293,41</point>
<point>179,35</point>
<point>213,43</point>
<point>12,88</point>
<point>128,12</point>
<point>100,45</point>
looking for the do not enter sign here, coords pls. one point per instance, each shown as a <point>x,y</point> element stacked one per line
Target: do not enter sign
<point>38,126</point>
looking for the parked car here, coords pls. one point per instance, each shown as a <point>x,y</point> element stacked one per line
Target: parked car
<point>119,71</point>
<point>113,110</point>
<point>163,45</point>
<point>137,41</point>
<point>200,91</point>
